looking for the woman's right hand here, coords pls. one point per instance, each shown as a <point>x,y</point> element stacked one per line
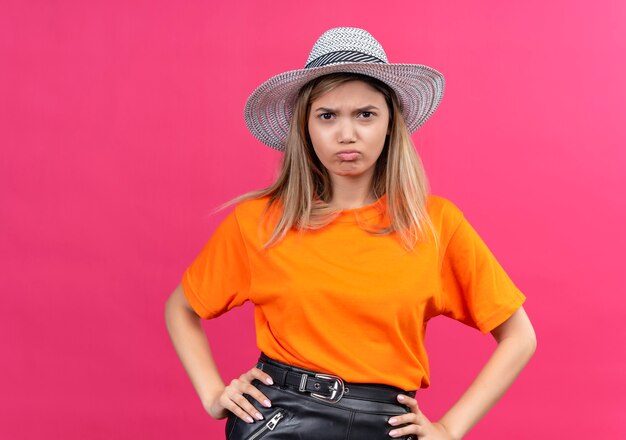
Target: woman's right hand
<point>231,398</point>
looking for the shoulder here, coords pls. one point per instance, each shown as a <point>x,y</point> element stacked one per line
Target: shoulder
<point>251,213</point>
<point>445,215</point>
<point>439,207</point>
<point>251,207</point>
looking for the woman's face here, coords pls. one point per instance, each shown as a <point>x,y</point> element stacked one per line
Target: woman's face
<point>348,126</point>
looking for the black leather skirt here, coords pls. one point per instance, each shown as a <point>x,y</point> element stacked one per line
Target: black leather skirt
<point>309,406</point>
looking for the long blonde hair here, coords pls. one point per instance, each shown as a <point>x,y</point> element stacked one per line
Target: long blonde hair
<point>303,188</point>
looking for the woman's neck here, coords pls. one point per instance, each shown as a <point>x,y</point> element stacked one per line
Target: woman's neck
<point>350,192</point>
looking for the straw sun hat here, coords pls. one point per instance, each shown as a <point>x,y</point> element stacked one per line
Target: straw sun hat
<point>269,108</point>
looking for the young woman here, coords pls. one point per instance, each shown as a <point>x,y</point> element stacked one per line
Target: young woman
<point>346,257</point>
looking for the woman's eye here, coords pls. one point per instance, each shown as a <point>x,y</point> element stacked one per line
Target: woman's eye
<point>326,116</point>
<point>367,115</point>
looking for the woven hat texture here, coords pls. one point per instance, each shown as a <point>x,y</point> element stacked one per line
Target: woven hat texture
<point>419,88</point>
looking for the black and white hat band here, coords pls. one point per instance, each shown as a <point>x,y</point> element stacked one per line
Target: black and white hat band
<point>343,56</point>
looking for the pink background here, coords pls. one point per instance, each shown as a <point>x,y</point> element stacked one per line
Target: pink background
<point>121,128</point>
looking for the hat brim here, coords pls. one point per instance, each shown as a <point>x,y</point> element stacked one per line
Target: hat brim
<point>268,110</point>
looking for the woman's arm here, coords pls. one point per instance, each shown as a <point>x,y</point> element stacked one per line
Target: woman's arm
<point>194,352</point>
<point>516,345</point>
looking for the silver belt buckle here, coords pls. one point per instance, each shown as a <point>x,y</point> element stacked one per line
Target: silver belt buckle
<point>336,390</point>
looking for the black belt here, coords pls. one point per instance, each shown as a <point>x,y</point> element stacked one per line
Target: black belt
<point>327,387</point>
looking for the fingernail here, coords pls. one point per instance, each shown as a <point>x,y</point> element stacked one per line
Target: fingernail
<point>393,433</point>
<point>259,416</point>
<point>249,419</point>
<point>267,403</point>
<point>269,381</point>
<point>392,421</point>
<point>400,397</point>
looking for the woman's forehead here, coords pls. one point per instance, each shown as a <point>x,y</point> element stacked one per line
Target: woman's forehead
<point>351,93</point>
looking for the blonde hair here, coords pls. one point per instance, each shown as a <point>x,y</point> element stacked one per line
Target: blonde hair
<point>303,187</point>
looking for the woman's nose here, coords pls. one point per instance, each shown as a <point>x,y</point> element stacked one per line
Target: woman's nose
<point>347,133</point>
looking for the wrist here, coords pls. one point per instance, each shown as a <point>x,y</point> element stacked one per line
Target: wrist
<point>448,432</point>
<point>210,402</point>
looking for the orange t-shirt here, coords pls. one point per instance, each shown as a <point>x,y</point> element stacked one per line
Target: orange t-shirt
<point>342,301</point>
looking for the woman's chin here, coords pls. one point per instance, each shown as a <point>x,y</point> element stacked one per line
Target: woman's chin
<point>349,173</point>
<point>348,169</point>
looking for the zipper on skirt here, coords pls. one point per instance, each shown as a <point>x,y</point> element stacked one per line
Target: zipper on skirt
<point>269,426</point>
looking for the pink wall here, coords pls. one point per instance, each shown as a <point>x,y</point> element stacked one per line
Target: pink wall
<point>121,127</point>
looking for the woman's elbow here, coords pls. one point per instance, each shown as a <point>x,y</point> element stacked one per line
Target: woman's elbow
<point>526,339</point>
<point>531,341</point>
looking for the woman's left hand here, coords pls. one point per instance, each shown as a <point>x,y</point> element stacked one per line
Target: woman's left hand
<point>417,424</point>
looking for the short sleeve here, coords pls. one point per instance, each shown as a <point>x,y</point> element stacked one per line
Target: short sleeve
<point>476,289</point>
<point>219,278</point>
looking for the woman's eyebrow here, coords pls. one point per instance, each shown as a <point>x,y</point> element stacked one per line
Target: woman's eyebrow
<point>367,108</point>
<point>360,109</point>
<point>325,110</point>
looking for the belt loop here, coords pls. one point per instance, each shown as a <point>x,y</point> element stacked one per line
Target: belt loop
<point>283,379</point>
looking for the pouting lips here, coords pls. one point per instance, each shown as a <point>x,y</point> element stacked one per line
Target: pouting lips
<point>348,155</point>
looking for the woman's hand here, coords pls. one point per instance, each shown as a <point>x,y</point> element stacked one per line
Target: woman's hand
<point>231,398</point>
<point>417,424</point>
